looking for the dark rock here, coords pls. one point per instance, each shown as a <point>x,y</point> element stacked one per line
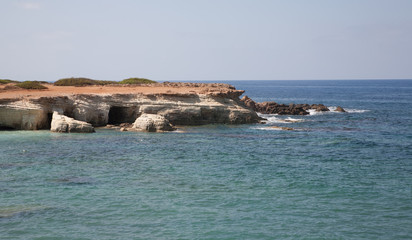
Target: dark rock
<point>340,109</point>
<point>319,107</point>
<point>281,109</point>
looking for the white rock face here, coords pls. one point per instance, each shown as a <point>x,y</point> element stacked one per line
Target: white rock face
<point>20,118</point>
<point>103,109</point>
<point>64,124</point>
<point>152,123</point>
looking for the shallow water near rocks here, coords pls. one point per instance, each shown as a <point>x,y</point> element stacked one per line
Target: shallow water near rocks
<point>335,176</point>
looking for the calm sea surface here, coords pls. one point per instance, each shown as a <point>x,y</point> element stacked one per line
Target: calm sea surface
<point>337,176</point>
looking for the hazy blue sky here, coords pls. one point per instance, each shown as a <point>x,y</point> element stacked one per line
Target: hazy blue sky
<point>206,39</point>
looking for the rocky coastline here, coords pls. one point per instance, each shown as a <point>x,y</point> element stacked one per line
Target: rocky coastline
<point>151,109</point>
<point>154,108</point>
<point>283,109</point>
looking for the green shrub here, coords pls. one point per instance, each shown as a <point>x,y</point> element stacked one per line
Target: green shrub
<point>5,81</point>
<point>30,85</point>
<point>104,82</point>
<point>78,82</point>
<point>136,81</point>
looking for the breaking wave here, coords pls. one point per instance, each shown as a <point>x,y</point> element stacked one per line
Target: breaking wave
<point>274,118</point>
<point>348,110</point>
<point>333,110</point>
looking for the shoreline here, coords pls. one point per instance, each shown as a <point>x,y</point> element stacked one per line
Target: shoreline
<point>146,107</point>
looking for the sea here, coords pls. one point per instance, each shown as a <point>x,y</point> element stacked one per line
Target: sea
<point>334,176</point>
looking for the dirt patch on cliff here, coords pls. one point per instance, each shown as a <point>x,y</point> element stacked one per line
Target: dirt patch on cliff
<point>9,91</point>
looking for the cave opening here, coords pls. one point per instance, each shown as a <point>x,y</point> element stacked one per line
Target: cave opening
<point>49,120</point>
<point>6,128</point>
<point>118,115</point>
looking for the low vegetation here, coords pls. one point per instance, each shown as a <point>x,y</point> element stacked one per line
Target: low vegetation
<point>30,85</point>
<point>137,81</point>
<point>79,82</point>
<point>5,81</point>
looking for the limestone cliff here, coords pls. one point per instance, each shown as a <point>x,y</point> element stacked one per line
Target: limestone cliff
<point>102,109</point>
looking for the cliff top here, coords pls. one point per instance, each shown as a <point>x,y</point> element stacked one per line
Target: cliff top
<point>11,91</point>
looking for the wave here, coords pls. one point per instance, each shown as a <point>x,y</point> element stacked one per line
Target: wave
<point>267,128</point>
<point>333,110</point>
<point>348,110</point>
<point>314,112</point>
<point>293,120</point>
<point>356,110</point>
<point>276,128</point>
<point>274,118</point>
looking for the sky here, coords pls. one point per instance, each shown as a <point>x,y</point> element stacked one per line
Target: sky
<point>206,39</point>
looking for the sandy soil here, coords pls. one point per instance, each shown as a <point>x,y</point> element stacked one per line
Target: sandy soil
<point>7,91</point>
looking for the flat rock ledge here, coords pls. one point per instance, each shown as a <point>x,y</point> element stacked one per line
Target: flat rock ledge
<point>64,124</point>
<point>152,123</point>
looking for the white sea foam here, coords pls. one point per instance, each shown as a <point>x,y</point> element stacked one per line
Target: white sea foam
<point>356,110</point>
<point>268,128</point>
<point>274,118</point>
<point>271,118</point>
<point>333,110</point>
<point>275,128</point>
<point>348,110</point>
<point>314,112</point>
<point>293,120</point>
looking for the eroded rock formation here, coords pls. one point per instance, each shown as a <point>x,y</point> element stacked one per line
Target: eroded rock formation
<point>190,108</point>
<point>23,115</point>
<point>152,123</point>
<point>64,124</point>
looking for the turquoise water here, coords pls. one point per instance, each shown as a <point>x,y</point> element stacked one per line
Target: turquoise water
<point>337,176</point>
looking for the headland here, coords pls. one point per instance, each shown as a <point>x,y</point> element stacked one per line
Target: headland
<point>176,103</point>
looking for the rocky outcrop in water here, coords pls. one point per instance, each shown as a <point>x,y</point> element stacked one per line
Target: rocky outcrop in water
<point>283,109</point>
<point>339,109</point>
<point>64,124</point>
<point>152,123</point>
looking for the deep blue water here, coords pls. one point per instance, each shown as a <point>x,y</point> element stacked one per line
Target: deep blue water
<point>337,176</point>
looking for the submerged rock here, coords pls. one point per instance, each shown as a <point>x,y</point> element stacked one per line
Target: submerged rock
<point>11,211</point>
<point>282,128</point>
<point>152,123</point>
<point>64,124</point>
<point>75,180</point>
